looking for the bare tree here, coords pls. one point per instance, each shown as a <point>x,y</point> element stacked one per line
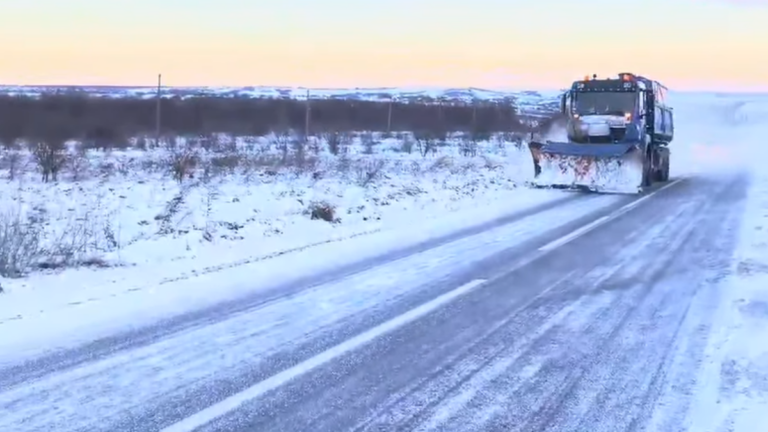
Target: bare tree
<point>50,151</point>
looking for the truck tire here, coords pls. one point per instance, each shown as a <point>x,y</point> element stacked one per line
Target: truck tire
<point>648,173</point>
<point>658,175</point>
<point>661,174</point>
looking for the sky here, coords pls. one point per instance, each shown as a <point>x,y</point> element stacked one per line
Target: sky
<point>505,44</point>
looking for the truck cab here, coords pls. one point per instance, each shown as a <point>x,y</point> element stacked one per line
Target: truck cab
<point>625,109</point>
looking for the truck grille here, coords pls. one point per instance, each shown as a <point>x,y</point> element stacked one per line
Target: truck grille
<point>617,134</point>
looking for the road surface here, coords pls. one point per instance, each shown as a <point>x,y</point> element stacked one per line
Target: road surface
<point>527,324</point>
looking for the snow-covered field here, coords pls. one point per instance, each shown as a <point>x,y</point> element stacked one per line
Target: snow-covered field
<point>125,209</point>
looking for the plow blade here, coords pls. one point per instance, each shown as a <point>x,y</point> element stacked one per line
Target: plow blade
<point>613,168</point>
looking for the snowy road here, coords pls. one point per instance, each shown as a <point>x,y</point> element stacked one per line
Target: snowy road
<point>578,317</point>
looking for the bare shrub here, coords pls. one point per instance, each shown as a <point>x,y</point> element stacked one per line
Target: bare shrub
<point>225,145</point>
<point>315,145</point>
<point>427,142</point>
<point>20,244</point>
<point>468,148</point>
<point>83,236</point>
<point>322,210</point>
<point>334,140</point>
<point>12,160</point>
<point>209,142</point>
<point>211,195</point>
<point>369,142</point>
<point>369,171</point>
<point>142,143</point>
<point>282,141</point>
<point>182,160</point>
<point>406,143</point>
<point>499,142</point>
<point>299,152</point>
<point>50,157</point>
<point>344,164</point>
<point>79,164</point>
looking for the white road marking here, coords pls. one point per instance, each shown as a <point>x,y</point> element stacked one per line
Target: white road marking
<point>259,389</point>
<point>596,223</point>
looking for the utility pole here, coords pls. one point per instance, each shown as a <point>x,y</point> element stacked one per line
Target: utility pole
<point>157,111</point>
<point>440,119</point>
<point>306,119</point>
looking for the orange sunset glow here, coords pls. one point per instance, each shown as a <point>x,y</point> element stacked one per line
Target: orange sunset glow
<point>692,45</point>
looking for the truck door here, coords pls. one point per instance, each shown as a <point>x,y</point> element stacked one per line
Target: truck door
<point>658,116</point>
<point>670,123</point>
<point>663,114</point>
<point>649,119</point>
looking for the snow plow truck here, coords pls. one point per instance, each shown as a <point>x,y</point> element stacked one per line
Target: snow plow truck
<point>617,136</point>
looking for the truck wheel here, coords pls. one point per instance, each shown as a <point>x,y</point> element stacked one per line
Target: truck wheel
<point>647,171</point>
<point>662,174</point>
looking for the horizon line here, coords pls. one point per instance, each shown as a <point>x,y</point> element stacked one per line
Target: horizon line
<point>405,87</point>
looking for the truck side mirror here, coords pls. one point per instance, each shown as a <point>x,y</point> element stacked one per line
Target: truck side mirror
<point>562,102</point>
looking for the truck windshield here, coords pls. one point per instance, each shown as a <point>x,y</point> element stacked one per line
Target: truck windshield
<point>604,103</point>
